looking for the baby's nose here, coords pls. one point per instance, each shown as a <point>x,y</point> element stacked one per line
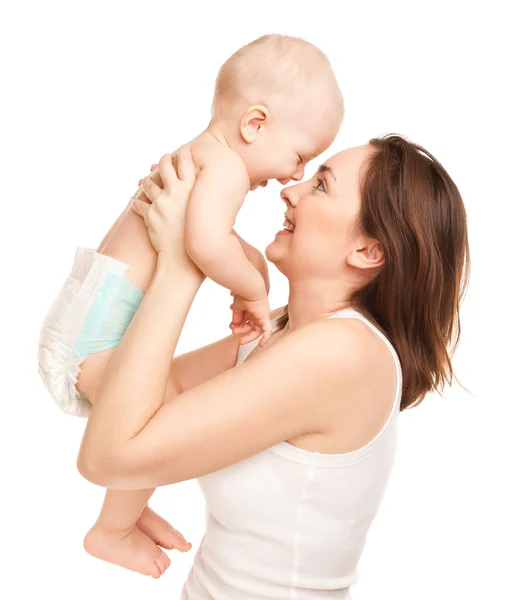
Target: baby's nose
<point>299,174</point>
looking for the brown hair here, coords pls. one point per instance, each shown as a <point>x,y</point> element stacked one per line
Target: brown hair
<point>411,206</point>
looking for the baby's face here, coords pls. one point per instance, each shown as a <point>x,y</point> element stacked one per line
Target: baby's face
<point>284,150</point>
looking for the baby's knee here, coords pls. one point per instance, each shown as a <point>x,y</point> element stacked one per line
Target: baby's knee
<point>91,374</point>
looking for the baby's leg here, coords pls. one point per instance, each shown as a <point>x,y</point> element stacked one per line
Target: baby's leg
<point>127,532</point>
<point>118,539</point>
<point>81,331</point>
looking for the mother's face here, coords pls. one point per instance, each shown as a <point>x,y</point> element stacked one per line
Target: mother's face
<point>324,211</point>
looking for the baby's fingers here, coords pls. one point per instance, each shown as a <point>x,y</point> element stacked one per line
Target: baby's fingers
<point>249,337</point>
<point>238,315</point>
<point>265,326</point>
<point>240,329</point>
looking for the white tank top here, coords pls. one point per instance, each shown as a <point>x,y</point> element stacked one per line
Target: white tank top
<point>288,523</point>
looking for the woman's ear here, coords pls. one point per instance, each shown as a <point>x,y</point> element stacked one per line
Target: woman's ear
<point>253,121</point>
<point>367,254</point>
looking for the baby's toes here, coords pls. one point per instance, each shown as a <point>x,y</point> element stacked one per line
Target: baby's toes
<point>161,563</point>
<point>165,560</point>
<point>155,570</point>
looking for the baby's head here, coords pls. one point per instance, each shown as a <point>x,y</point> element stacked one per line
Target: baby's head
<point>279,104</point>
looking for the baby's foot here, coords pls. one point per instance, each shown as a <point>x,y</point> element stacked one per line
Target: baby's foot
<point>161,532</point>
<point>130,548</point>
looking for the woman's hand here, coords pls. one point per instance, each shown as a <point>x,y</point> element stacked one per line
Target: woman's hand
<point>164,212</point>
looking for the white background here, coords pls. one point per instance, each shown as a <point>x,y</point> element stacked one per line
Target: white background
<point>93,93</point>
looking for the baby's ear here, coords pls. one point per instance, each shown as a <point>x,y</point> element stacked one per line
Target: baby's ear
<point>253,122</point>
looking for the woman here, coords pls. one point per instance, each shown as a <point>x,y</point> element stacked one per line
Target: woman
<point>293,446</point>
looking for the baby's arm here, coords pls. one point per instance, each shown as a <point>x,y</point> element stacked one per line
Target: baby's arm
<point>256,258</point>
<point>215,201</point>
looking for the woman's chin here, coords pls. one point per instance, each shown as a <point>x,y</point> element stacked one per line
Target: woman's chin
<point>269,252</point>
<point>274,252</point>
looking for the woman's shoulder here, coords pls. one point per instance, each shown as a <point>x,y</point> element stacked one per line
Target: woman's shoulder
<point>342,351</point>
<point>354,369</point>
<point>338,331</point>
<point>324,343</point>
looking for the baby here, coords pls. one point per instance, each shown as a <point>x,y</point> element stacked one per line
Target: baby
<point>276,106</point>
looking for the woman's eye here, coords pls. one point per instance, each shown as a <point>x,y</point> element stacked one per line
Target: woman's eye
<point>320,185</point>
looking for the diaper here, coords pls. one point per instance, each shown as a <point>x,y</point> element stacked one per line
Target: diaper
<point>90,314</point>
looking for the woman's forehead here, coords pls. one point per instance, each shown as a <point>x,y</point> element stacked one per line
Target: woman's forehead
<point>349,160</point>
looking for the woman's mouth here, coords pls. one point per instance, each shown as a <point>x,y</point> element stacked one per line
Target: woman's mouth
<point>288,228</point>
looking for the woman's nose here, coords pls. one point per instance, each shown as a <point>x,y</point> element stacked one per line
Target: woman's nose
<point>289,196</point>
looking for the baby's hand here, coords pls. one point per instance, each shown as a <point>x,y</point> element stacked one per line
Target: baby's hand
<point>250,319</point>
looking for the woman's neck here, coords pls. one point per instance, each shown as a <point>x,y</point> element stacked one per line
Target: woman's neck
<point>309,302</point>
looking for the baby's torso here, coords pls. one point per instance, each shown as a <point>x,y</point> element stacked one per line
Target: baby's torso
<point>127,240</point>
<point>201,148</point>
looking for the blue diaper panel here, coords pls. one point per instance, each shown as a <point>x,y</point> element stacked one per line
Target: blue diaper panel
<point>112,310</point>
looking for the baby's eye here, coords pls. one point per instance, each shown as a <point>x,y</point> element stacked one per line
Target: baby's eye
<point>320,185</point>
<point>301,160</point>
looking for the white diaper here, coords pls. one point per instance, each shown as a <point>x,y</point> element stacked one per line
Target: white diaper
<point>90,314</point>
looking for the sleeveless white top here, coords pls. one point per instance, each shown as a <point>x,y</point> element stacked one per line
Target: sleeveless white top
<point>288,523</point>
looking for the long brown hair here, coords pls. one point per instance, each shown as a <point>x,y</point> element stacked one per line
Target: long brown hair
<point>411,206</point>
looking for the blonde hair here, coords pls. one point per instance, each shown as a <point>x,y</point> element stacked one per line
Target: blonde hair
<point>270,69</point>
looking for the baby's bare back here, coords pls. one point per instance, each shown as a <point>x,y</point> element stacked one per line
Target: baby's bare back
<point>128,241</point>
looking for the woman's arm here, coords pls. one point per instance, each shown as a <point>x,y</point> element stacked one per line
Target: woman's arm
<point>137,374</point>
<point>198,366</point>
<point>134,440</point>
<point>128,241</point>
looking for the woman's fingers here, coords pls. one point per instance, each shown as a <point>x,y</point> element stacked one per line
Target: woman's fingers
<point>184,171</point>
<point>167,172</point>
<point>185,166</point>
<point>150,189</point>
<point>140,207</point>
<point>152,168</point>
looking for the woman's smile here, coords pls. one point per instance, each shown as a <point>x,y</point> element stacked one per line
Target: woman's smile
<point>288,227</point>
